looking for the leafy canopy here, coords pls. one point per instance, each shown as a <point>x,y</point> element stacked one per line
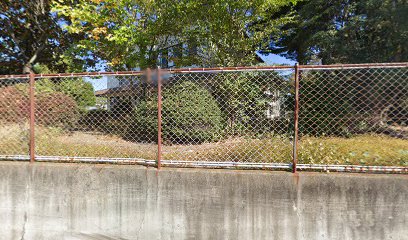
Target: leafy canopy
<point>344,31</point>
<point>132,33</point>
<point>31,34</point>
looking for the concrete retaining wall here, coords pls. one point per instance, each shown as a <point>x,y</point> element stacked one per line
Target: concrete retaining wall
<point>72,201</point>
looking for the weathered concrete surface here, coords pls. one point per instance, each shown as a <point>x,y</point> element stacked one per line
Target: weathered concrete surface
<point>64,201</point>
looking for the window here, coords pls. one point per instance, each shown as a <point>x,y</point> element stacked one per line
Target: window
<point>164,59</point>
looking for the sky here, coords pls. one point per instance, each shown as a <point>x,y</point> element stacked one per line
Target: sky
<point>273,59</point>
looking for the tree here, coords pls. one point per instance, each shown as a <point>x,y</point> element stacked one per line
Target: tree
<point>344,31</point>
<point>244,99</point>
<point>78,89</point>
<point>126,34</point>
<point>29,34</point>
<point>132,33</point>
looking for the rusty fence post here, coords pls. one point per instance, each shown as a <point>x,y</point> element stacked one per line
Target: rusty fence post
<point>32,117</point>
<point>159,119</point>
<point>296,120</point>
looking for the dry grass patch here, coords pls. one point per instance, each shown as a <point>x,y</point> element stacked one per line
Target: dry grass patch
<point>14,139</point>
<point>361,150</point>
<point>358,150</point>
<point>90,144</point>
<point>275,150</point>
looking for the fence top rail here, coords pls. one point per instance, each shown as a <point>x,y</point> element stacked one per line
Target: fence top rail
<point>83,74</point>
<point>354,66</point>
<point>217,69</point>
<point>228,69</point>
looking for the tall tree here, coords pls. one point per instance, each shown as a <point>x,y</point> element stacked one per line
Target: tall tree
<point>132,33</point>
<point>31,34</point>
<point>344,31</point>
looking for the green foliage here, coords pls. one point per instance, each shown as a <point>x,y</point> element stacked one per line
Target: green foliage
<point>244,99</point>
<point>347,102</point>
<point>327,104</point>
<point>80,90</point>
<point>374,150</point>
<point>142,126</point>
<point>77,88</point>
<point>31,34</point>
<point>190,114</point>
<point>129,34</point>
<point>344,31</point>
<point>44,85</point>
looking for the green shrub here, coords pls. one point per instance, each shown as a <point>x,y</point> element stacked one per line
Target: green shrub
<point>190,115</point>
<point>142,125</point>
<point>244,100</point>
<point>78,89</point>
<point>349,102</point>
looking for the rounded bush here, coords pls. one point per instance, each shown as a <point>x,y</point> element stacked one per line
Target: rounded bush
<point>78,89</point>
<point>53,109</point>
<point>190,115</point>
<point>56,110</point>
<point>142,125</point>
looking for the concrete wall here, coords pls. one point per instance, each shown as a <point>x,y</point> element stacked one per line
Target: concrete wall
<point>68,201</point>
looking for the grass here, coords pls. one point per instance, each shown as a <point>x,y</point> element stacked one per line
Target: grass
<point>235,149</point>
<point>14,139</point>
<point>361,150</point>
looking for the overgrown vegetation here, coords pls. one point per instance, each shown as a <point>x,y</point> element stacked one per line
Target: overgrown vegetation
<point>349,102</point>
<point>361,150</point>
<point>342,112</point>
<point>190,115</point>
<point>58,104</point>
<point>244,97</point>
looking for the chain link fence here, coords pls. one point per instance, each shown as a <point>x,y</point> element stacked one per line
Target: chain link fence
<point>228,116</point>
<point>318,117</point>
<point>354,116</point>
<point>14,115</point>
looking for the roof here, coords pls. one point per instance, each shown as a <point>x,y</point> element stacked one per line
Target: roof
<point>119,91</point>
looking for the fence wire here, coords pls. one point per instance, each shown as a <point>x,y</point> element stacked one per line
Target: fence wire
<point>354,116</point>
<point>239,116</point>
<point>350,115</point>
<point>14,115</point>
<point>95,117</point>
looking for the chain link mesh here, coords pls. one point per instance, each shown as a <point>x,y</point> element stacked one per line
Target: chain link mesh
<point>349,115</point>
<point>94,117</point>
<point>354,116</point>
<point>14,116</point>
<point>237,116</point>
